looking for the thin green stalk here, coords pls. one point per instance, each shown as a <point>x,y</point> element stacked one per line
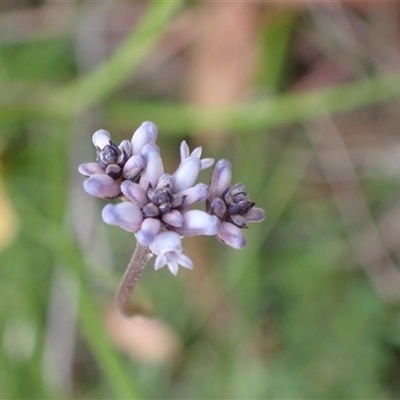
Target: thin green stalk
<point>258,115</point>
<point>26,101</point>
<point>115,70</point>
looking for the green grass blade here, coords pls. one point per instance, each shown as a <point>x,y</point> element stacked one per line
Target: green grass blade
<point>114,71</point>
<point>271,112</point>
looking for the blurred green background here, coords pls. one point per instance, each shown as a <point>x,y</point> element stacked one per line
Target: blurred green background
<point>303,98</point>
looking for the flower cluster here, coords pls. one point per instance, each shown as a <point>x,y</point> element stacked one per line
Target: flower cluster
<point>156,205</point>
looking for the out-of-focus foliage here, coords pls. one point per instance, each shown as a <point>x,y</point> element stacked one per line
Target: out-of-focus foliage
<point>303,99</point>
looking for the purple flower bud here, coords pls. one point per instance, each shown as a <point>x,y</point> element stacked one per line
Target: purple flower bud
<point>186,174</point>
<point>146,133</point>
<point>256,214</point>
<point>165,181</point>
<point>103,186</point>
<point>126,215</point>
<point>148,231</point>
<point>174,219</point>
<point>231,235</point>
<point>193,195</point>
<point>219,207</point>
<point>90,169</point>
<point>198,222</point>
<point>134,192</point>
<point>101,138</point>
<point>231,205</point>
<point>126,148</point>
<point>221,179</point>
<point>133,167</point>
<point>154,167</point>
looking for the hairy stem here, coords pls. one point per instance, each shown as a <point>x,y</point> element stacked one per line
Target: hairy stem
<point>132,274</point>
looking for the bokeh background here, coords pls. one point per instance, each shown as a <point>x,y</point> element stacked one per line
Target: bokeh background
<point>303,98</point>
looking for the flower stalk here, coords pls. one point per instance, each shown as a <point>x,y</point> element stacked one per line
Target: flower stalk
<point>132,274</point>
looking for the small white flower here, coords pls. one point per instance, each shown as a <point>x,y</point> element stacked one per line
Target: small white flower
<point>168,249</point>
<point>185,153</point>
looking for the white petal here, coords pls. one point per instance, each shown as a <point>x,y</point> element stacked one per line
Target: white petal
<point>206,163</point>
<point>197,152</point>
<point>154,167</point>
<point>101,138</point>
<point>186,175</point>
<point>146,133</point>
<point>103,186</point>
<point>126,215</point>
<point>221,179</point>
<point>148,231</point>
<point>173,266</point>
<point>134,193</point>
<point>183,260</point>
<point>198,222</point>
<point>184,151</point>
<point>160,262</point>
<point>231,235</point>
